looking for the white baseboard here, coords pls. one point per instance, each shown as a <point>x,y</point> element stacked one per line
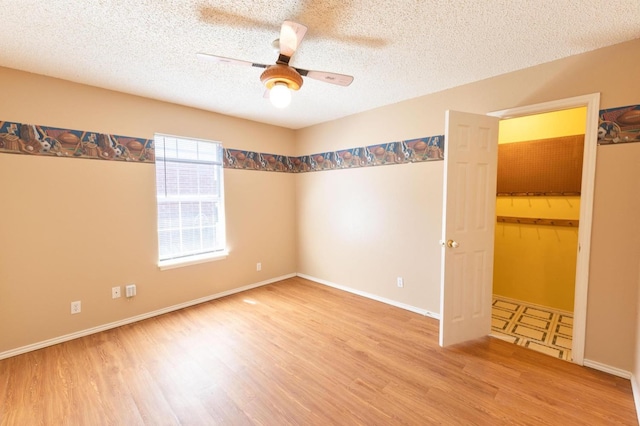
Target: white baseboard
<point>636,395</point>
<point>607,369</point>
<point>533,305</point>
<point>372,296</point>
<point>98,329</point>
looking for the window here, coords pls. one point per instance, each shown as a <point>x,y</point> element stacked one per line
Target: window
<point>190,197</point>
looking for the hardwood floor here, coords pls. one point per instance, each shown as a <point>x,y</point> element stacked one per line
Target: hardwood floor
<point>297,352</point>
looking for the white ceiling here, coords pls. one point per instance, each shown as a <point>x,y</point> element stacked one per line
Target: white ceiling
<point>395,50</point>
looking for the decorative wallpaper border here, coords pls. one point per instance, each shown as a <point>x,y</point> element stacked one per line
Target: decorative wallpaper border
<point>18,138</point>
<point>410,151</point>
<point>617,125</point>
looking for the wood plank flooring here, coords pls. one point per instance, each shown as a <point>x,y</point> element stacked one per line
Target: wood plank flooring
<point>299,353</point>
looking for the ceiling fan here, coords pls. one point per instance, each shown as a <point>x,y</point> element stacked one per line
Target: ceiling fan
<point>281,78</point>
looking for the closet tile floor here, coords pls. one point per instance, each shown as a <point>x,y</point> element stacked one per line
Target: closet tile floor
<point>535,327</point>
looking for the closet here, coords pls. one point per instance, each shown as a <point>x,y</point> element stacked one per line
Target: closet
<point>536,241</point>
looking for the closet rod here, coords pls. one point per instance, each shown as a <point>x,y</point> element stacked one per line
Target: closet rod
<point>538,194</point>
<point>534,221</point>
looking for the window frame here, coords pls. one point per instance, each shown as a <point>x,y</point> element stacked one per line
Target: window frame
<point>217,167</point>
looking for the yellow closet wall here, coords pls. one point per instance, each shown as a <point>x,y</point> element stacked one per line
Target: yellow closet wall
<point>532,263</point>
<point>556,124</point>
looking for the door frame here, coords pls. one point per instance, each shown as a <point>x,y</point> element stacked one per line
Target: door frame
<point>592,102</point>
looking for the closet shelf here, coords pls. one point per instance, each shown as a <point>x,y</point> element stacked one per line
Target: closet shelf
<point>534,221</point>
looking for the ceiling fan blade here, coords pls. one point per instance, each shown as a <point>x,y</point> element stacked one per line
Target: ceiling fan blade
<point>291,34</point>
<point>327,77</point>
<point>223,60</point>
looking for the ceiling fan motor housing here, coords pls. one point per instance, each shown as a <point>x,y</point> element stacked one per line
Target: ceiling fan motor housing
<point>280,73</point>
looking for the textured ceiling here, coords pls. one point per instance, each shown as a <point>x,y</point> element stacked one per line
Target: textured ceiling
<point>395,50</point>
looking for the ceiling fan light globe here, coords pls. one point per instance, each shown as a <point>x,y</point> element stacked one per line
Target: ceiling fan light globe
<point>280,95</point>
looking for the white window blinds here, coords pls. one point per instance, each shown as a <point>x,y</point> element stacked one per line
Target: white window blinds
<point>190,197</point>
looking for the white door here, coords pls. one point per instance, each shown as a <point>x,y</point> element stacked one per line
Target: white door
<point>468,224</point>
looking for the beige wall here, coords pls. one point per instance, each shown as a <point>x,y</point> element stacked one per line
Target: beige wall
<point>70,229</point>
<point>615,250</point>
<point>363,228</point>
<point>383,211</point>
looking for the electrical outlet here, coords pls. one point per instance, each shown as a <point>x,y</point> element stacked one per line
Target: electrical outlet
<point>258,266</point>
<point>76,307</point>
<point>130,290</point>
<point>400,282</point>
<point>116,292</point>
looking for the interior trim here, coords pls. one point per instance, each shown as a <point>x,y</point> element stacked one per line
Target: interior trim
<point>608,369</point>
<point>372,296</point>
<point>592,102</point>
<point>636,395</point>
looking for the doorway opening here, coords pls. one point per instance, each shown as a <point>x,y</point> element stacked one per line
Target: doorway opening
<point>536,236</point>
<point>592,104</point>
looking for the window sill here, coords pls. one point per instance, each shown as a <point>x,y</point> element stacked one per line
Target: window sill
<point>192,260</point>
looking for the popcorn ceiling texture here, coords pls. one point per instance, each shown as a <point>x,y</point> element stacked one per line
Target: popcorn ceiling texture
<point>395,50</point>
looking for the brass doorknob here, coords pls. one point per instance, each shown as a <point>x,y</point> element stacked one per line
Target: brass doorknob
<point>452,244</point>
